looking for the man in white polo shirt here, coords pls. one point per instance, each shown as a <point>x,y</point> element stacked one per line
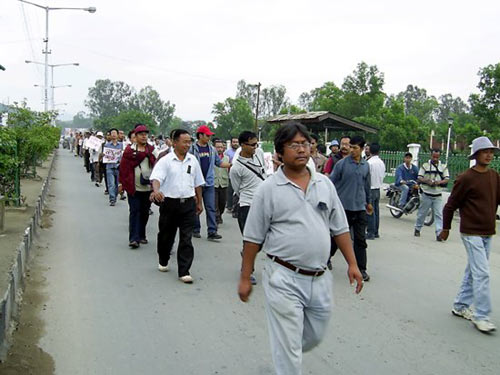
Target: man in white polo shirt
<point>177,181</point>
<point>293,214</point>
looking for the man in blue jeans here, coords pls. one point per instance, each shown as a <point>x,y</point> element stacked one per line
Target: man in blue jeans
<point>476,194</point>
<point>207,156</point>
<point>112,155</point>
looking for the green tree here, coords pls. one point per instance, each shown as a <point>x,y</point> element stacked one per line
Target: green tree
<point>486,104</point>
<point>328,97</point>
<point>126,121</point>
<point>362,92</point>
<point>148,100</point>
<point>107,99</point>
<point>232,117</point>
<point>419,104</point>
<point>449,106</point>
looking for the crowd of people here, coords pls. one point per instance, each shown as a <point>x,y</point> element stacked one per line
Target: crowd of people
<point>298,216</point>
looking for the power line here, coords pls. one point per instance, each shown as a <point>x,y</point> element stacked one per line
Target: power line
<point>28,36</point>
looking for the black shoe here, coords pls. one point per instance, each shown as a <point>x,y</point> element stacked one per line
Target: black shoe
<point>366,277</point>
<point>106,192</point>
<point>330,265</point>
<point>370,237</point>
<point>196,235</point>
<point>150,211</point>
<point>123,197</point>
<point>438,239</point>
<point>416,233</point>
<point>112,203</point>
<point>133,244</point>
<point>377,236</point>
<point>144,241</point>
<point>214,236</point>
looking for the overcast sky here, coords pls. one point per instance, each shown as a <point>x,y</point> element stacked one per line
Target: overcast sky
<point>194,51</point>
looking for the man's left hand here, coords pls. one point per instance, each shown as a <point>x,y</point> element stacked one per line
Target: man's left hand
<point>199,208</point>
<point>444,234</point>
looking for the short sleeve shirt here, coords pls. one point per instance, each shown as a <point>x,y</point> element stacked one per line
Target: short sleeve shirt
<point>178,178</point>
<point>293,225</point>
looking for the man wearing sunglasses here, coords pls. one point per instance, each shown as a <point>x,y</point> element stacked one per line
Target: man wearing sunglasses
<point>246,174</point>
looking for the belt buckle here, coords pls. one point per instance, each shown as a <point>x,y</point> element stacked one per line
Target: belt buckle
<point>182,200</point>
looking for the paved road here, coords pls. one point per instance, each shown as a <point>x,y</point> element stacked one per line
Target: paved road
<point>109,311</point>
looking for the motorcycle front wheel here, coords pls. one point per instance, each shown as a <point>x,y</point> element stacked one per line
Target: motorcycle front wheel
<point>394,201</point>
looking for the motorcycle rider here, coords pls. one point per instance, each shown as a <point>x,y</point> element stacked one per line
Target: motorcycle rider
<point>433,177</point>
<point>406,178</point>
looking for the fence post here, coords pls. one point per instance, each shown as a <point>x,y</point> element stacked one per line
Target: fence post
<point>17,177</point>
<point>414,149</point>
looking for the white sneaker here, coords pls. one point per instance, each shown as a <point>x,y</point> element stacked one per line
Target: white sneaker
<point>465,313</point>
<point>484,325</point>
<point>162,268</point>
<point>186,279</point>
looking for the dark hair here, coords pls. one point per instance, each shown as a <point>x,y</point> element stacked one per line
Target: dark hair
<point>245,136</point>
<point>234,138</point>
<point>287,132</point>
<point>374,148</point>
<point>218,140</point>
<point>435,149</point>
<point>315,137</point>
<point>409,154</point>
<point>176,133</point>
<point>344,136</point>
<point>322,148</point>
<point>358,140</point>
<point>130,133</point>
<point>115,129</point>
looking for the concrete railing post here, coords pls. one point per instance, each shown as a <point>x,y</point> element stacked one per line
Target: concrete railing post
<point>414,149</point>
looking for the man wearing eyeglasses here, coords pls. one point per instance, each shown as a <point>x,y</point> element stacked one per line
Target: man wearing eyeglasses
<point>293,214</point>
<point>247,173</point>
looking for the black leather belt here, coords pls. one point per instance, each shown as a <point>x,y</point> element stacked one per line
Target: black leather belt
<point>293,268</point>
<point>180,200</point>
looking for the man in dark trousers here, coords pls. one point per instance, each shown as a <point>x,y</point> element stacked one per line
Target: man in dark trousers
<point>351,176</point>
<point>177,181</point>
<point>208,159</point>
<point>476,194</point>
<point>135,169</point>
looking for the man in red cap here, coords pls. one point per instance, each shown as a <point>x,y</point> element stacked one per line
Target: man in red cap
<point>208,158</point>
<point>135,168</point>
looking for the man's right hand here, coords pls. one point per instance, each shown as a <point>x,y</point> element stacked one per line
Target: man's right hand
<point>402,182</point>
<point>244,289</point>
<point>156,196</point>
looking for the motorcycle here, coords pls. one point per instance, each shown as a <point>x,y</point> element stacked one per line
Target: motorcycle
<point>413,203</point>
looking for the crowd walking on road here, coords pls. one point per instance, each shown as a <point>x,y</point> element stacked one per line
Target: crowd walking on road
<point>297,217</point>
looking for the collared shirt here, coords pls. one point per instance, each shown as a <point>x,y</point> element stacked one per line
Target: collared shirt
<point>433,172</point>
<point>243,180</point>
<point>353,183</point>
<point>178,178</point>
<point>377,171</point>
<point>294,225</point>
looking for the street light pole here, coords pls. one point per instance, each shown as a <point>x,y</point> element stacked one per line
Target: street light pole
<point>257,110</point>
<point>46,52</point>
<point>52,66</point>
<point>450,124</point>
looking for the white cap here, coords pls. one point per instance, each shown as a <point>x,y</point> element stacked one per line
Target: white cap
<point>481,143</point>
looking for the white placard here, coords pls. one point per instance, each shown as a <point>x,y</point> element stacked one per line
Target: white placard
<point>94,143</point>
<point>111,155</point>
<point>268,163</point>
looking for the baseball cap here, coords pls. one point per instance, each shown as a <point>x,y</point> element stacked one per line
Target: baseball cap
<point>205,130</point>
<point>334,143</point>
<point>141,129</point>
<point>100,134</point>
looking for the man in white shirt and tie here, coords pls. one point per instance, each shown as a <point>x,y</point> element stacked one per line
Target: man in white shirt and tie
<point>177,180</point>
